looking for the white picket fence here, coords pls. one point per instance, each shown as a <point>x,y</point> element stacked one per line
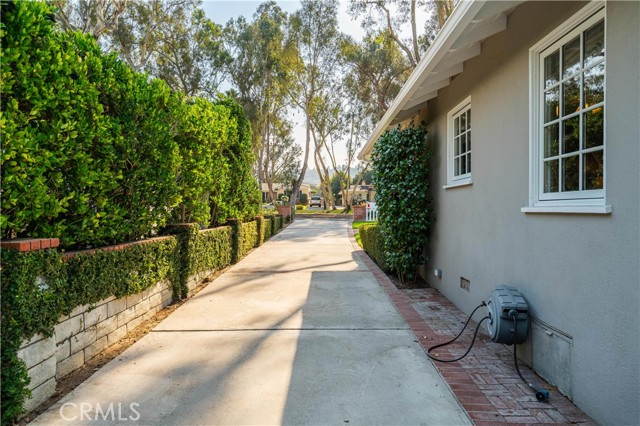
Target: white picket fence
<point>372,212</point>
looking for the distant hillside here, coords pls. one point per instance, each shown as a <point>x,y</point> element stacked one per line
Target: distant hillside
<point>312,177</point>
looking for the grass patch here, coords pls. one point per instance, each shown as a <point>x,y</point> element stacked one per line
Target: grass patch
<point>356,224</point>
<point>359,240</point>
<point>311,211</point>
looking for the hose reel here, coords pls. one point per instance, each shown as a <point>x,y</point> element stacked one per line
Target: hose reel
<point>506,307</point>
<point>508,323</point>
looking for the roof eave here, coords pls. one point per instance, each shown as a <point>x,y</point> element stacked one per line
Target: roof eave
<point>454,27</point>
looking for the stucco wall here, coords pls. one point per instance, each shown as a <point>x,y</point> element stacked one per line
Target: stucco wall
<point>579,273</point>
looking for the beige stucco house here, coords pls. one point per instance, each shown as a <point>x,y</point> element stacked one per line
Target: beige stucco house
<point>532,110</point>
<point>361,193</point>
<point>279,189</point>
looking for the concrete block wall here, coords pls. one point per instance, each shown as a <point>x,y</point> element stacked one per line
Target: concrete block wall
<point>83,334</point>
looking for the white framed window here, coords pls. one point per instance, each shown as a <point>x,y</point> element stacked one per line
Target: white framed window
<point>459,145</point>
<point>567,123</point>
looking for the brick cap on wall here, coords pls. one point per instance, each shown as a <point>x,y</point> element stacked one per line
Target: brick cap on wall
<point>30,244</point>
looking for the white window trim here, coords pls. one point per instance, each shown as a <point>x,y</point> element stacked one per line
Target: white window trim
<point>464,180</point>
<point>567,205</point>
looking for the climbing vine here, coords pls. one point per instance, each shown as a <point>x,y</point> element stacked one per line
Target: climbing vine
<point>401,177</point>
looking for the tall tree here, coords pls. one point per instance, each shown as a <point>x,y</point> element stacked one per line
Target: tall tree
<point>281,156</point>
<point>145,26</point>
<point>395,15</point>
<point>329,125</point>
<point>192,57</point>
<point>312,57</point>
<point>94,17</point>
<point>258,72</point>
<point>379,70</point>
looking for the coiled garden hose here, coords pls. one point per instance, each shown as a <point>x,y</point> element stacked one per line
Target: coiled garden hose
<point>475,334</point>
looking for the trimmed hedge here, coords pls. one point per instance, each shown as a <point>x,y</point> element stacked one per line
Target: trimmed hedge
<point>373,244</point>
<point>88,154</point>
<point>248,238</point>
<point>241,196</point>
<point>202,138</point>
<point>211,250</point>
<point>267,229</point>
<point>94,153</point>
<point>41,286</point>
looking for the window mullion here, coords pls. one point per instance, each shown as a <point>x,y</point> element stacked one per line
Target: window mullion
<point>581,120</point>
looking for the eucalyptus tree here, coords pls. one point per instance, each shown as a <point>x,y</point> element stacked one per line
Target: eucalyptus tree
<point>311,57</point>
<point>281,155</point>
<point>328,127</point>
<point>395,15</point>
<point>378,70</point>
<point>94,17</point>
<point>258,73</point>
<point>192,58</point>
<point>359,128</point>
<point>145,25</point>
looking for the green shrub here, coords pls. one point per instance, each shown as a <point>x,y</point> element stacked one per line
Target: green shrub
<point>401,178</point>
<point>88,155</point>
<point>39,287</point>
<point>241,197</point>
<point>204,174</point>
<point>95,154</point>
<point>211,250</point>
<point>373,244</point>
<point>267,228</point>
<point>248,237</point>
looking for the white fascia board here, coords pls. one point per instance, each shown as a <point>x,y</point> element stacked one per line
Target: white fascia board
<point>453,28</point>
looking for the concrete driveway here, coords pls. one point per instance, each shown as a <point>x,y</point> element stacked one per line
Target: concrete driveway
<point>298,332</point>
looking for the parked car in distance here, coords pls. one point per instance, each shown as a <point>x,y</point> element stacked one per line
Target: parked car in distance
<point>315,201</point>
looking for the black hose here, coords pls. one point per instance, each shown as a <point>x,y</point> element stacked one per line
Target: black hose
<point>475,334</point>
<point>541,394</point>
<point>515,356</point>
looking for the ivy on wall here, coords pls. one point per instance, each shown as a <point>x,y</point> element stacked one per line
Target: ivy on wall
<point>41,286</point>
<point>401,177</point>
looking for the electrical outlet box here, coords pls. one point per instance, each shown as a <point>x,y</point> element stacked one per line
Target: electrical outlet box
<point>465,284</point>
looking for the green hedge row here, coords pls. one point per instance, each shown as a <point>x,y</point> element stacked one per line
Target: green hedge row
<point>248,238</point>
<point>211,249</point>
<point>373,244</point>
<point>41,286</point>
<point>95,154</point>
<point>267,228</point>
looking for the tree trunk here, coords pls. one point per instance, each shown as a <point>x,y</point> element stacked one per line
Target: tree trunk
<point>303,171</point>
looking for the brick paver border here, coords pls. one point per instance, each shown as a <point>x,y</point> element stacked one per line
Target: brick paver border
<point>485,382</point>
